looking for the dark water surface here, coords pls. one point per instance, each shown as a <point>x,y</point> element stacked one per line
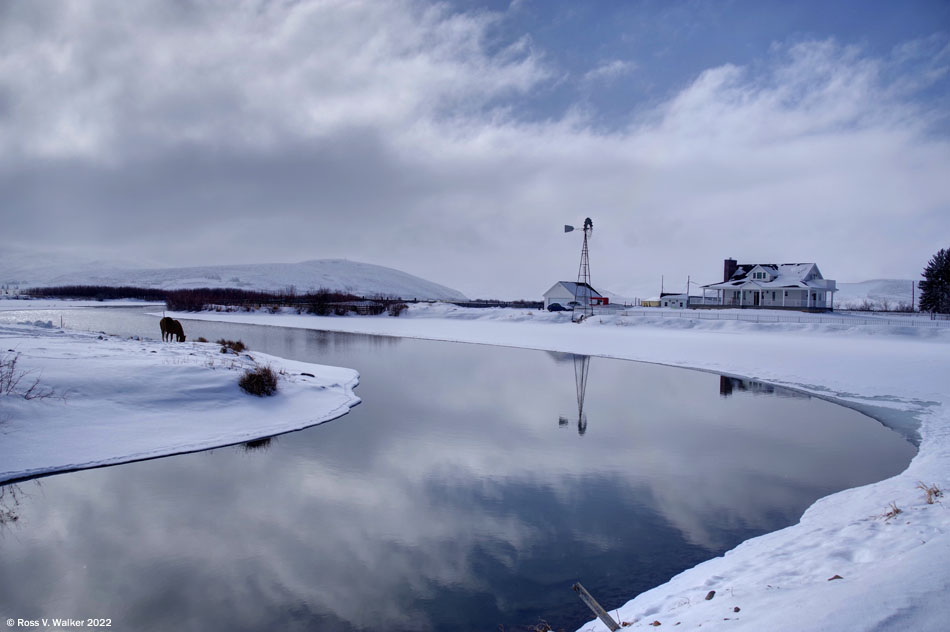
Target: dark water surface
<point>462,494</point>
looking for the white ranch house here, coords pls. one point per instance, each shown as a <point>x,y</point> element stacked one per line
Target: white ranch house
<point>773,286</point>
<point>563,293</point>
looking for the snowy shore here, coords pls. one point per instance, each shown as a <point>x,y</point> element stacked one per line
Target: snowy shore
<point>846,565</point>
<point>113,400</point>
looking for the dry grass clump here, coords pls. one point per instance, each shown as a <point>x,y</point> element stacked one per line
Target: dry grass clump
<point>231,345</point>
<point>260,381</point>
<point>932,492</point>
<point>892,511</point>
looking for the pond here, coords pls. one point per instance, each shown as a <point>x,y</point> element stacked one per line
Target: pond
<point>471,488</point>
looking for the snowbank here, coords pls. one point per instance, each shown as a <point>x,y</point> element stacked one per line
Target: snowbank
<point>114,400</point>
<point>894,573</point>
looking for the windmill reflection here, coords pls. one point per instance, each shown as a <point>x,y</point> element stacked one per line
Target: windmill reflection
<point>581,370</point>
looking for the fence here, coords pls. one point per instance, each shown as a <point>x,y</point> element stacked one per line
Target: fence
<point>784,317</point>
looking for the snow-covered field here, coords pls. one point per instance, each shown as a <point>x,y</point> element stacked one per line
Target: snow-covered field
<point>112,400</point>
<point>846,565</point>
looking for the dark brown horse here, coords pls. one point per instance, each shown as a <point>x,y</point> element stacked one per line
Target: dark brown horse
<point>171,327</point>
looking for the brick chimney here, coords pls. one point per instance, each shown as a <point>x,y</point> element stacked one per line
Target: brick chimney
<point>729,267</point>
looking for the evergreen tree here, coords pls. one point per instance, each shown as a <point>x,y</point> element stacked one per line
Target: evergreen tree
<point>935,288</point>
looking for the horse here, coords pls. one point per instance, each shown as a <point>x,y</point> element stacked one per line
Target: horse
<point>171,327</point>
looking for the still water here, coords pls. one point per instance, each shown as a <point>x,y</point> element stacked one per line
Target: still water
<point>471,488</point>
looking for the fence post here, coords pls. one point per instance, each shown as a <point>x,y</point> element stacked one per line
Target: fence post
<point>595,607</point>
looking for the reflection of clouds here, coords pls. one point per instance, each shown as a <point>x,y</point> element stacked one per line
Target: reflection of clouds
<point>449,485</point>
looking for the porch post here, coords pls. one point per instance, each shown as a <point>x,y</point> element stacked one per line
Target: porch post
<point>784,292</point>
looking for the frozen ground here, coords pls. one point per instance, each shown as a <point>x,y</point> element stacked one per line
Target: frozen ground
<point>112,400</point>
<point>846,565</point>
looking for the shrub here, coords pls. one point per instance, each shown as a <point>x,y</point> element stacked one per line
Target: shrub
<point>12,380</point>
<point>195,300</point>
<point>234,345</point>
<point>201,339</point>
<point>259,381</point>
<point>397,308</point>
<point>97,292</point>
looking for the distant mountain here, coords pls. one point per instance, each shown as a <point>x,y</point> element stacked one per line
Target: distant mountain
<point>362,279</point>
<point>24,267</point>
<point>876,291</point>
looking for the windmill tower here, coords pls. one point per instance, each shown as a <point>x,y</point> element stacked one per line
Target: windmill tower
<point>582,291</point>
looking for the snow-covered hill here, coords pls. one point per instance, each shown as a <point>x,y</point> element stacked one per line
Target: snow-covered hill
<point>877,291</point>
<point>362,279</point>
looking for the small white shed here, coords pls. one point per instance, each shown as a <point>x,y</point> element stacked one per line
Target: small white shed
<point>677,301</point>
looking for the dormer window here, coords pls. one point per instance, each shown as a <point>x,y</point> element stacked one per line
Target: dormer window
<point>760,276</point>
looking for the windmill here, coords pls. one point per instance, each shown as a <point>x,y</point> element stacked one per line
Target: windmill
<point>582,291</point>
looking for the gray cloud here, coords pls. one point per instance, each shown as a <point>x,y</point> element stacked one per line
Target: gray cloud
<point>193,133</point>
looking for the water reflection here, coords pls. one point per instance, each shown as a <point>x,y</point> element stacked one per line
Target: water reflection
<point>10,496</point>
<point>258,444</point>
<point>581,370</point>
<point>444,501</point>
<point>730,385</point>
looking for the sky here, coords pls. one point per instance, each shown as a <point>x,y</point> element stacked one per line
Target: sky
<point>454,140</point>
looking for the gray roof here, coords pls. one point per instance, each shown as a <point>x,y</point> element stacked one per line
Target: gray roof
<point>783,275</point>
<point>572,287</point>
<point>585,288</point>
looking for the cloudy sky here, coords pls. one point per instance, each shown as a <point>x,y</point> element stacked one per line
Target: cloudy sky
<point>453,140</point>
